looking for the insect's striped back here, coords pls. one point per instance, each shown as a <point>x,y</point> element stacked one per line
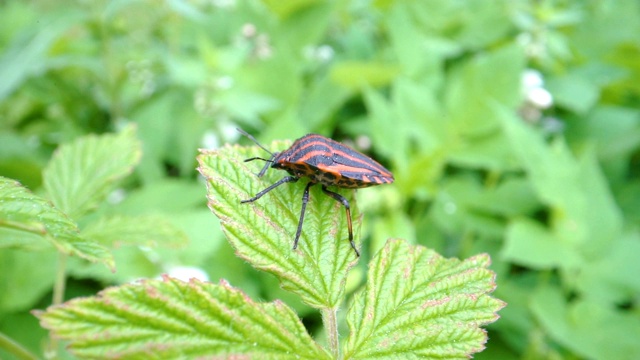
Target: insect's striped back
<point>332,163</point>
<point>327,162</point>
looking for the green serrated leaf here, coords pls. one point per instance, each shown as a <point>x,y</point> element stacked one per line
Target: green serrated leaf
<point>418,304</point>
<point>20,210</point>
<point>262,232</point>
<point>147,230</point>
<point>171,319</point>
<point>81,174</point>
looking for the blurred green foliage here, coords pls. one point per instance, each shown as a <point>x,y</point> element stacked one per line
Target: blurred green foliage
<point>433,89</point>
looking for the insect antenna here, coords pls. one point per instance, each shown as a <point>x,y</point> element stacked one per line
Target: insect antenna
<point>267,161</point>
<point>257,143</point>
<point>258,158</point>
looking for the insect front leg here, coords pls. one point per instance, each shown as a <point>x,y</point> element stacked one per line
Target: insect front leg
<point>305,200</point>
<point>345,203</point>
<point>286,179</point>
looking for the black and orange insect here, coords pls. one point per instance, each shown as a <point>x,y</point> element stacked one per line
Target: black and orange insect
<point>323,161</point>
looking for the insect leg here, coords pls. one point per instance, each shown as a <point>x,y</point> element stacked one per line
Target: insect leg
<point>286,179</point>
<point>305,200</point>
<point>266,165</point>
<point>344,202</point>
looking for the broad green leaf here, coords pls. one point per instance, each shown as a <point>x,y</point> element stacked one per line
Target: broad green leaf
<point>357,75</point>
<point>26,278</point>
<point>23,211</point>
<point>262,232</point>
<point>511,197</point>
<point>574,93</point>
<point>172,319</point>
<point>285,8</point>
<point>417,304</point>
<point>147,230</point>
<point>530,244</point>
<point>614,278</point>
<point>491,152</point>
<point>591,329</point>
<point>386,133</point>
<point>477,84</point>
<point>130,238</point>
<point>614,130</point>
<point>459,207</point>
<point>81,174</point>
<point>163,196</point>
<point>134,262</point>
<point>322,100</point>
<point>411,45</point>
<point>585,214</point>
<point>27,55</point>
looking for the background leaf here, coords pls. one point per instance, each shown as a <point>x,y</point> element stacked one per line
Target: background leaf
<point>81,174</point>
<point>22,211</point>
<point>188,73</point>
<point>262,232</point>
<point>137,230</point>
<point>586,327</point>
<point>172,319</point>
<point>417,304</point>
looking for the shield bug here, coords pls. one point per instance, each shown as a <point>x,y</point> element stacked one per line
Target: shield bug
<point>326,162</point>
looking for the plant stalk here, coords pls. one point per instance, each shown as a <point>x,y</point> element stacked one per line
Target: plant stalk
<point>14,348</point>
<point>60,283</point>
<point>331,327</point>
<point>58,297</point>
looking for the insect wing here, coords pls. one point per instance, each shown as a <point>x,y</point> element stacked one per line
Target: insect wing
<point>352,168</point>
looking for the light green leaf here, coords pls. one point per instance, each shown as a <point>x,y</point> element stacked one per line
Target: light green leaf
<point>357,75</point>
<point>171,319</point>
<point>418,304</point>
<point>27,55</point>
<point>614,278</point>
<point>386,133</point>
<point>584,213</point>
<point>591,329</point>
<point>22,211</point>
<point>323,98</point>
<point>574,93</point>
<point>477,84</point>
<point>262,232</point>
<point>530,244</point>
<point>23,285</point>
<point>150,230</point>
<point>163,196</point>
<point>285,8</point>
<point>81,174</point>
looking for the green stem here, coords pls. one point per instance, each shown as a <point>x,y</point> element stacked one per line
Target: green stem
<point>12,347</point>
<point>58,287</point>
<point>331,326</point>
<point>58,296</point>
